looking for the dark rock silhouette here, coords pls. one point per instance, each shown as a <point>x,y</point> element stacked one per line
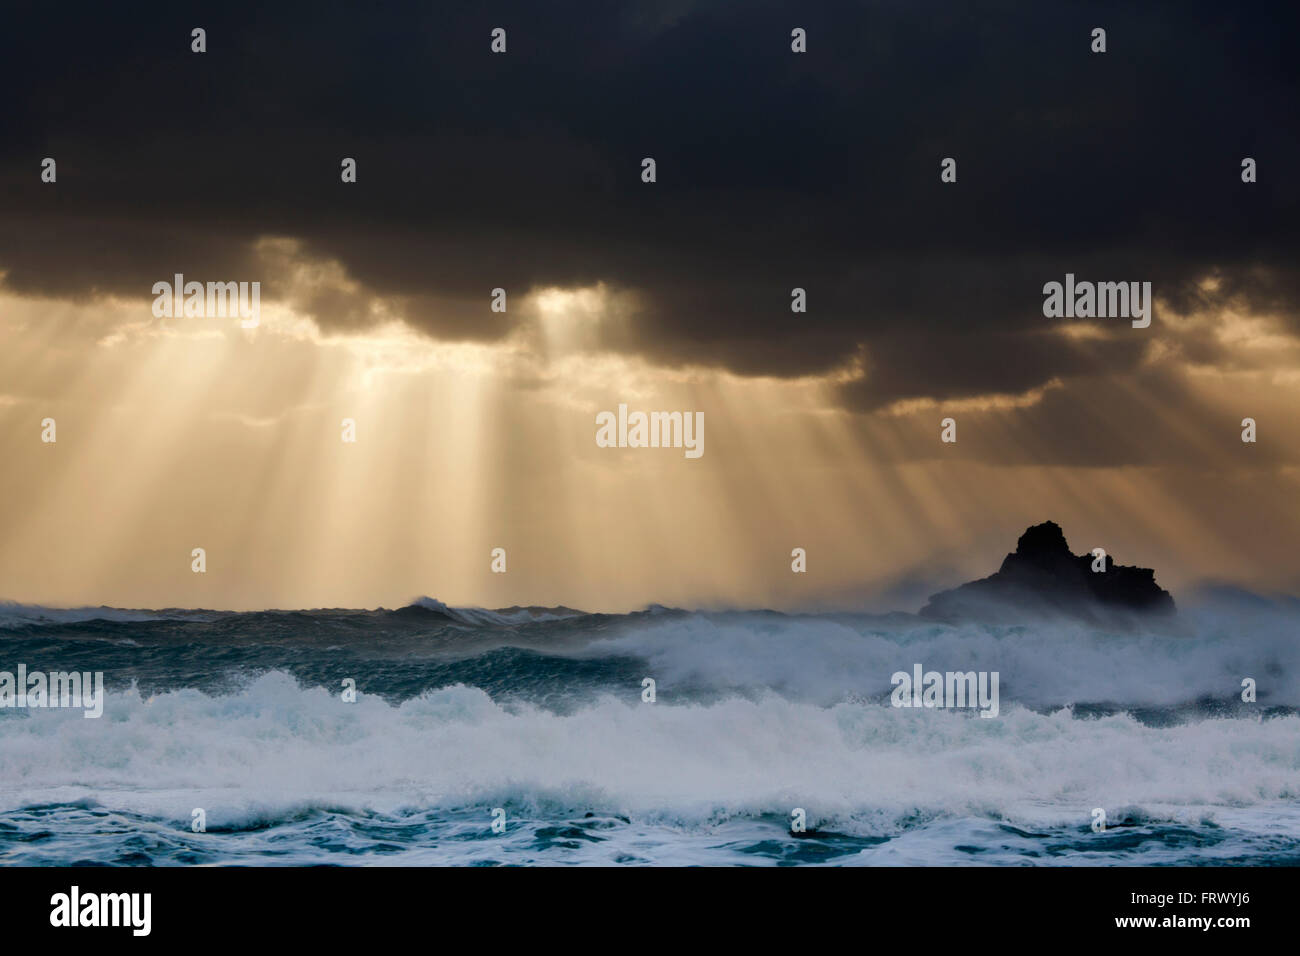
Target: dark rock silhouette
<point>1043,578</point>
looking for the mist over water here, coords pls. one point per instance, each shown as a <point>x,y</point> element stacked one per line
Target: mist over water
<point>540,713</point>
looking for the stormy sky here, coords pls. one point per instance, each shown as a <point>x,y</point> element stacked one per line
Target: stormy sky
<point>775,170</point>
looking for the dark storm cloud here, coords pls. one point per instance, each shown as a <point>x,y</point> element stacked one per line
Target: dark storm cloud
<point>775,170</point>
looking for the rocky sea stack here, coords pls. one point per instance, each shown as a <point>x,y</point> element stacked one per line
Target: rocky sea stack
<point>1042,578</point>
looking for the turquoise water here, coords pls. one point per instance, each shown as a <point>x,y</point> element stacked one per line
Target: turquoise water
<point>540,716</point>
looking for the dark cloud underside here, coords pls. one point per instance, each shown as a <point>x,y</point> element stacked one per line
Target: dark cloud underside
<point>774,170</point>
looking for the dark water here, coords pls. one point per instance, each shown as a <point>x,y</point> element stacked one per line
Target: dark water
<point>536,719</point>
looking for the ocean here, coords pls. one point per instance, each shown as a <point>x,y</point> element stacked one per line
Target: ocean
<point>536,720</point>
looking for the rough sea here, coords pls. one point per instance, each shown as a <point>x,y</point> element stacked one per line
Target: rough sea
<point>535,719</point>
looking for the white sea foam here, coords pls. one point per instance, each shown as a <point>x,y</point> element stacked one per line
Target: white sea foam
<point>825,659</point>
<point>860,767</point>
<point>17,615</point>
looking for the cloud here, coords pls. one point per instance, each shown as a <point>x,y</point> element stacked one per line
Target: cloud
<point>776,170</point>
